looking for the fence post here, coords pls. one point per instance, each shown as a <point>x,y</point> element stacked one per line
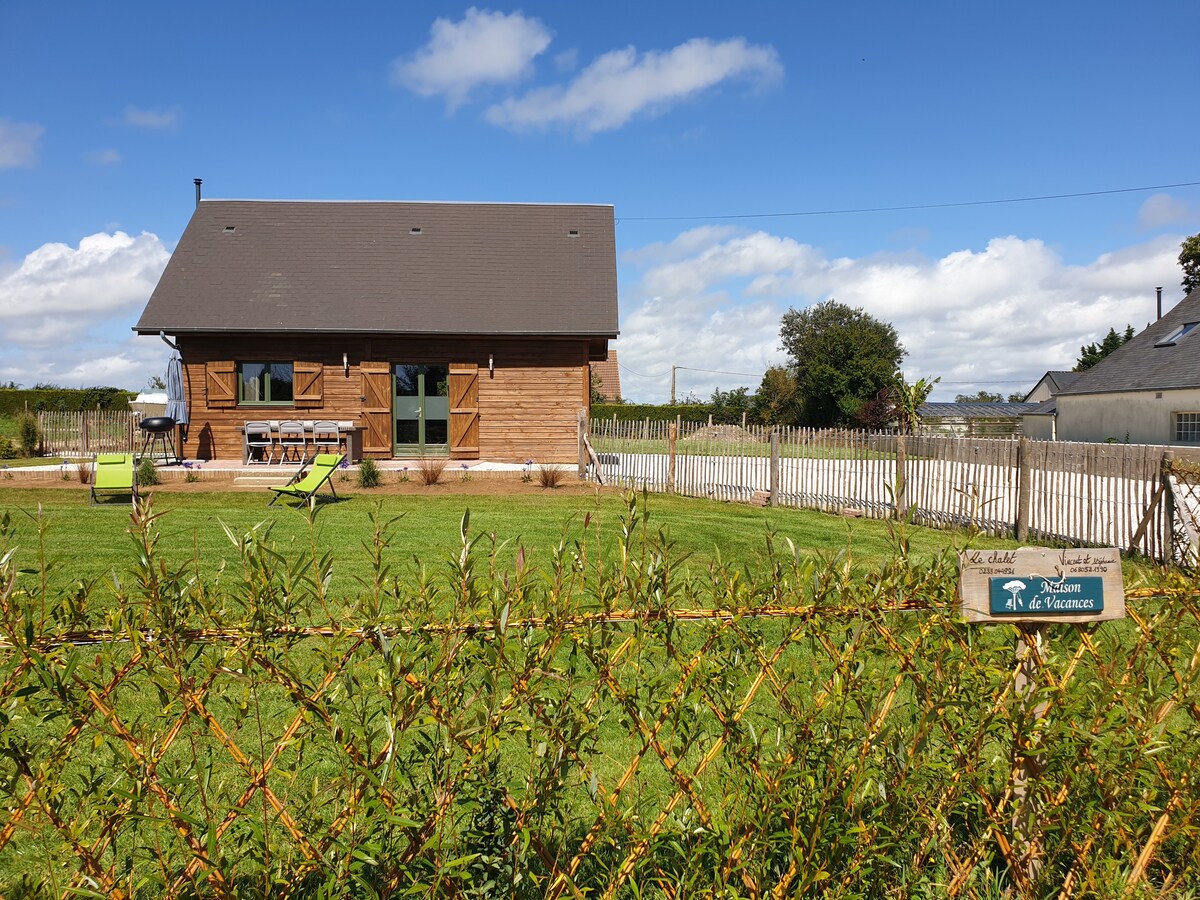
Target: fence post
<point>775,467</point>
<point>1168,459</point>
<point>580,429</point>
<point>901,475</point>
<point>1030,765</point>
<point>1024,488</point>
<point>672,437</point>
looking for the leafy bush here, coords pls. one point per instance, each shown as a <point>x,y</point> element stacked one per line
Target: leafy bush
<point>147,473</point>
<point>8,450</point>
<point>368,473</point>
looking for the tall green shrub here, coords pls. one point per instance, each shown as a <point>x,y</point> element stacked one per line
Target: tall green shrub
<point>29,435</point>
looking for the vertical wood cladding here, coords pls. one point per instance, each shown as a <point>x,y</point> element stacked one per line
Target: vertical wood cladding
<point>527,405</point>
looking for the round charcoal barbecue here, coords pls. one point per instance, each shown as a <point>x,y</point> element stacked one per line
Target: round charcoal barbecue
<point>158,431</point>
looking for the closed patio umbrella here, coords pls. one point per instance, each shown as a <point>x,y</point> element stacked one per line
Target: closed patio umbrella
<point>176,396</point>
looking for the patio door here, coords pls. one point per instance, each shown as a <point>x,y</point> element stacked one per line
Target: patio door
<point>422,410</point>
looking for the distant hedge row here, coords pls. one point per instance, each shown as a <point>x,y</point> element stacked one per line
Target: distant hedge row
<point>63,399</point>
<point>688,412</point>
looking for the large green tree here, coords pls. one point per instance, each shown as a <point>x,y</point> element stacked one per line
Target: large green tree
<point>1189,259</point>
<point>840,357</point>
<point>1090,354</point>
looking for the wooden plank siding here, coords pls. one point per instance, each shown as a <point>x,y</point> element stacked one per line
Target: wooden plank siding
<point>528,403</point>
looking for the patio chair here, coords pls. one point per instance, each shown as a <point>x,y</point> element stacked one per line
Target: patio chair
<point>260,446</point>
<point>326,437</point>
<point>293,441</point>
<point>112,473</point>
<point>305,484</point>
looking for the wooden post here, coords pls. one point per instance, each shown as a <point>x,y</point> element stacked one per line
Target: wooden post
<point>672,437</point>
<point>1027,765</point>
<point>775,468</point>
<point>581,430</point>
<point>1168,460</point>
<point>901,475</point>
<point>1024,488</point>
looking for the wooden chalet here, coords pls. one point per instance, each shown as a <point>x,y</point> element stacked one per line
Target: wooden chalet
<point>459,329</point>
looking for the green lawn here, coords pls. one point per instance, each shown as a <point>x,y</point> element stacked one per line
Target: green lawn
<point>86,543</point>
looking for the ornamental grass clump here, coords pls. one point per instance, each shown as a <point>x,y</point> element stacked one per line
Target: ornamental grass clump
<point>430,469</point>
<point>368,473</point>
<point>549,476</point>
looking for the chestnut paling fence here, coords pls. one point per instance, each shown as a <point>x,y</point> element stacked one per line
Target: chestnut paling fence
<point>87,432</point>
<point>1078,493</point>
<point>604,725</point>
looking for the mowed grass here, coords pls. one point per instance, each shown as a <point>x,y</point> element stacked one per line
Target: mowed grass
<point>84,544</point>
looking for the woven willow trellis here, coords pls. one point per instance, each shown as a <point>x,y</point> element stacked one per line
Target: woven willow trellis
<point>569,733</point>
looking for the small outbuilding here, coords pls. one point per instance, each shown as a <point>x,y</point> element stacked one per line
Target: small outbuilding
<point>972,419</point>
<point>460,329</point>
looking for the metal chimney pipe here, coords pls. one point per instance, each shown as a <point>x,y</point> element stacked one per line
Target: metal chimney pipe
<point>1159,290</point>
<point>198,181</point>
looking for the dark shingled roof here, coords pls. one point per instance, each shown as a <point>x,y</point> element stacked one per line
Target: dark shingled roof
<point>413,268</point>
<point>973,410</point>
<point>1139,365</point>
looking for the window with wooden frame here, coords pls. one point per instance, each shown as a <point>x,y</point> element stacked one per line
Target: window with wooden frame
<point>265,383</point>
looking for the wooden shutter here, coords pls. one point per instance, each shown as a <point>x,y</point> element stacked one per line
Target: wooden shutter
<point>376,407</point>
<point>308,384</point>
<point>220,383</point>
<point>464,411</point>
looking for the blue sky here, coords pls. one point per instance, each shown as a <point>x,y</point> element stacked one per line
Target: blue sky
<point>719,132</point>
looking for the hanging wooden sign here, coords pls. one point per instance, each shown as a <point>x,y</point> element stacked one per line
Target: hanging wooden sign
<point>1037,584</point>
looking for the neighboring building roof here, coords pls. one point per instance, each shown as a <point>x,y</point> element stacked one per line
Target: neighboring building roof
<point>1159,358</point>
<point>414,268</point>
<point>1045,408</point>
<point>608,374</point>
<point>973,410</point>
<point>1056,382</point>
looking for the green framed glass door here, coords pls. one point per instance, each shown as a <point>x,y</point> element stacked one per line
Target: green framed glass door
<point>422,410</point>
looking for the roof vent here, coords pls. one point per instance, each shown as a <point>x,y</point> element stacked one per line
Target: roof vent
<point>574,232</point>
<point>416,229</point>
<point>230,229</point>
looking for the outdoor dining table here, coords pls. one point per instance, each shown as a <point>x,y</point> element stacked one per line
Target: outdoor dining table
<point>350,431</point>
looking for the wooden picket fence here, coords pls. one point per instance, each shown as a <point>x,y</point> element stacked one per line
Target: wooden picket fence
<point>1056,491</point>
<point>87,432</point>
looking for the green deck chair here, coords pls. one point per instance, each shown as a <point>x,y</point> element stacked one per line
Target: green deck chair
<point>304,485</point>
<point>113,473</point>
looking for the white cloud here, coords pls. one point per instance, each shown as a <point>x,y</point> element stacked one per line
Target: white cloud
<point>107,157</point>
<point>1161,210</point>
<point>18,143</point>
<point>66,312</point>
<point>483,48</point>
<point>620,85</point>
<point>977,318</point>
<point>151,119</point>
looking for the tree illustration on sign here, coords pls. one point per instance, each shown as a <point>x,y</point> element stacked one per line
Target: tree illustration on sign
<point>1014,587</point>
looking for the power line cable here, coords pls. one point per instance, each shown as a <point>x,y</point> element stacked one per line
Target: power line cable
<point>914,206</point>
<point>717,372</point>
